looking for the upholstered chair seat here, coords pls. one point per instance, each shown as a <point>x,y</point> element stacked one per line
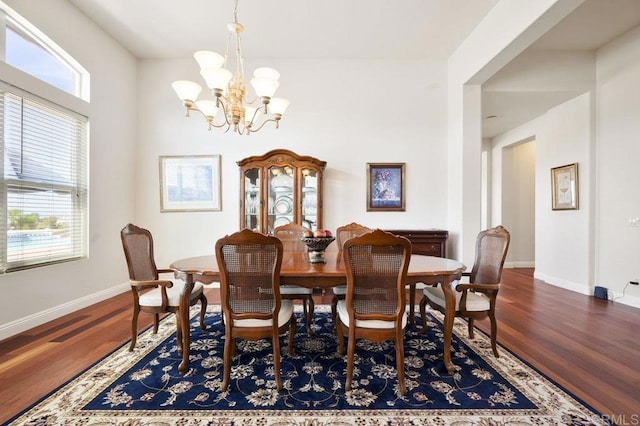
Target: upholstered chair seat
<point>286,311</point>
<point>475,301</point>
<point>343,315</point>
<point>154,296</point>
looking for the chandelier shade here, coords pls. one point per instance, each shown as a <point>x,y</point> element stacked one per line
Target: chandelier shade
<point>187,90</point>
<point>230,108</point>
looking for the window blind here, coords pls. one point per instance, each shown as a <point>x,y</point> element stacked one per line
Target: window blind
<point>44,187</point>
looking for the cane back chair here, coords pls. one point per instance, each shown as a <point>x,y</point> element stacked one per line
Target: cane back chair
<point>477,299</point>
<point>249,264</point>
<point>343,233</point>
<point>290,235</point>
<point>374,308</point>
<point>152,295</point>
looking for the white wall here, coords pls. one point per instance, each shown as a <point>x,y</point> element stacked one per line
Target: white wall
<point>562,238</point>
<point>342,112</point>
<point>35,296</point>
<point>618,174</point>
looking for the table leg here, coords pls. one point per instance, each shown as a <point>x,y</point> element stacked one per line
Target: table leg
<point>185,297</point>
<point>449,316</point>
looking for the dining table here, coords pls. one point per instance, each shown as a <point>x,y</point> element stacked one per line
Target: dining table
<point>299,270</point>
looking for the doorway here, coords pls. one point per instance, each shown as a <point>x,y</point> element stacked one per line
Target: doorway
<point>519,202</point>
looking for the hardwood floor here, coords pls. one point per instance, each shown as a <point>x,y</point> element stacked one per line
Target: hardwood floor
<point>587,345</point>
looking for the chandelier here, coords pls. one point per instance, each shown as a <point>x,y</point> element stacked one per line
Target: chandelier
<point>230,108</point>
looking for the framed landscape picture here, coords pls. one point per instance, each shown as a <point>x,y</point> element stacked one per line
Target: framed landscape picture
<point>190,183</point>
<point>385,187</point>
<point>564,187</point>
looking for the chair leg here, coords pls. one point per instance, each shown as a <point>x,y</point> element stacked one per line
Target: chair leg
<point>134,329</point>
<point>178,333</point>
<point>305,309</point>
<point>351,349</point>
<point>423,314</point>
<point>156,323</point>
<point>276,357</point>
<point>494,334</point>
<point>334,313</point>
<point>340,334</point>
<point>203,311</point>
<point>228,359</point>
<point>400,364</point>
<point>412,303</point>
<point>292,333</point>
<point>470,327</point>
<point>309,315</point>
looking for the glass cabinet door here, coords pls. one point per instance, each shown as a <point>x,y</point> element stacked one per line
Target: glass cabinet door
<point>252,217</point>
<point>278,188</point>
<point>310,198</point>
<point>281,197</point>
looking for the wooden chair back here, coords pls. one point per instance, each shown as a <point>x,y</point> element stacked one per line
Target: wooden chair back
<point>138,250</point>
<point>491,251</point>
<point>376,264</point>
<point>249,264</point>
<point>343,233</point>
<point>290,235</point>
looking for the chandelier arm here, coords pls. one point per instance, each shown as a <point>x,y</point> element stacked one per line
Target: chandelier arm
<point>253,101</point>
<point>224,112</point>
<point>255,113</point>
<point>263,123</point>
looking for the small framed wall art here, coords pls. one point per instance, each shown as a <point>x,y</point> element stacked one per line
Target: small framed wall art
<point>386,187</point>
<point>190,183</point>
<point>564,187</point>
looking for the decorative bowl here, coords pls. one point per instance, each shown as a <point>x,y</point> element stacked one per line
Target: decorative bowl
<point>317,246</point>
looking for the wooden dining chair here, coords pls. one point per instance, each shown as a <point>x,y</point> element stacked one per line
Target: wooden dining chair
<point>152,295</point>
<point>343,233</point>
<point>290,235</point>
<point>249,264</point>
<point>374,308</point>
<point>477,299</point>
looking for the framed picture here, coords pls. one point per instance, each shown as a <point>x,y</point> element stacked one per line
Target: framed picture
<point>385,187</point>
<point>190,183</point>
<point>564,187</point>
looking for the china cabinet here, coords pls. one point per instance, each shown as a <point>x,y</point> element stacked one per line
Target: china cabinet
<point>280,187</point>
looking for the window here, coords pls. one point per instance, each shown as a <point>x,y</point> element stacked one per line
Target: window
<point>43,193</point>
<point>25,54</point>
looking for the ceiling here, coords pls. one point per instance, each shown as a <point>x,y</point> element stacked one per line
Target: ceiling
<point>290,29</point>
<point>355,29</point>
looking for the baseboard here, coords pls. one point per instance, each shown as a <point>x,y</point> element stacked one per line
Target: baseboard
<point>18,326</point>
<point>569,285</point>
<point>617,297</point>
<point>588,290</point>
<point>530,264</point>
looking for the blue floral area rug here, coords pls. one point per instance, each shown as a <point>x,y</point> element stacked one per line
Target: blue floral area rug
<point>144,386</point>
